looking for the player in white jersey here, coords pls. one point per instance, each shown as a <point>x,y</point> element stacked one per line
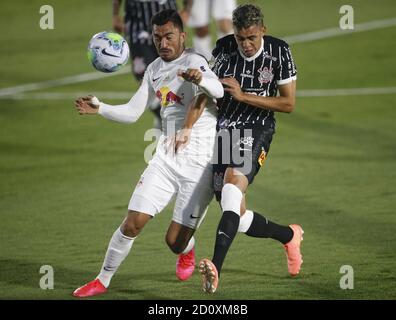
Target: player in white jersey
<point>180,79</point>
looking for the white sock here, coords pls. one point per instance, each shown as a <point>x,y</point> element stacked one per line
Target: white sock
<point>118,249</point>
<point>203,46</point>
<point>231,198</point>
<point>246,221</point>
<point>190,245</point>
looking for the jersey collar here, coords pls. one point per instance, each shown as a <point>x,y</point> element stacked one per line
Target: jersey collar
<point>256,55</point>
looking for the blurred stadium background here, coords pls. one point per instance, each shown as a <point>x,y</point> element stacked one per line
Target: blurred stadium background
<point>65,180</point>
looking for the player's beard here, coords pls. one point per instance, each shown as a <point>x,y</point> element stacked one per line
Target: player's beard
<point>165,55</point>
<point>177,53</point>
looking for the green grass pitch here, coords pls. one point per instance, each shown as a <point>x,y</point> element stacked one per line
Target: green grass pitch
<point>65,180</point>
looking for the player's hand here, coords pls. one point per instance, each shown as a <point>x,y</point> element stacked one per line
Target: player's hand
<point>232,86</point>
<point>191,75</point>
<point>87,105</point>
<point>182,139</point>
<point>118,24</point>
<point>178,142</point>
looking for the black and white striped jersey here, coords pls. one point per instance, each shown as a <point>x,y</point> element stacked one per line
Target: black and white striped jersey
<point>138,14</point>
<point>261,75</point>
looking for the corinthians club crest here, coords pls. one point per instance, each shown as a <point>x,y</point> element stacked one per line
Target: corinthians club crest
<point>218,181</point>
<point>265,75</point>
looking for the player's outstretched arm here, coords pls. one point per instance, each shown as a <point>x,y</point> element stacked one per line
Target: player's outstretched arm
<point>124,113</point>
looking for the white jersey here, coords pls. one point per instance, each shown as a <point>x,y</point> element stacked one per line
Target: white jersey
<point>175,94</point>
<point>186,175</point>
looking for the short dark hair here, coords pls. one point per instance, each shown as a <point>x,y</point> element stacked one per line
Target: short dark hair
<point>247,15</point>
<point>165,16</point>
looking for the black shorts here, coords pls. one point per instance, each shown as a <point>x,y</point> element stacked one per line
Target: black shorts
<point>143,51</point>
<point>245,148</point>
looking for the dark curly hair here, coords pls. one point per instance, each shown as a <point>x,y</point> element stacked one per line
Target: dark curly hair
<point>247,15</point>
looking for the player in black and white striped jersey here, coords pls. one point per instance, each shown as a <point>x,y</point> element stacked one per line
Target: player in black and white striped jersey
<point>262,74</point>
<point>253,68</point>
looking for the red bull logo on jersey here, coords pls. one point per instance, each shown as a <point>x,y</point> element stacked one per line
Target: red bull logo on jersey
<point>168,97</point>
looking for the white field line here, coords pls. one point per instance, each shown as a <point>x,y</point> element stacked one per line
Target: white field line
<point>310,36</point>
<point>125,95</point>
<point>59,82</point>
<point>334,32</point>
<point>69,95</point>
<point>345,92</point>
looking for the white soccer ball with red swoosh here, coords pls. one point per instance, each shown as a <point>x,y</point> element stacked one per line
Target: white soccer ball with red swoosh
<point>108,51</point>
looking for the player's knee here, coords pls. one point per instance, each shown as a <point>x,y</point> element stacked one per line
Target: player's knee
<point>176,246</point>
<point>131,227</point>
<point>202,32</point>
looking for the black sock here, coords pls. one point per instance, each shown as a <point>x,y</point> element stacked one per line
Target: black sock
<point>261,227</point>
<point>226,231</point>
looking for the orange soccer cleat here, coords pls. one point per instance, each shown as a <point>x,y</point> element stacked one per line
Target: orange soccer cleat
<point>185,265</point>
<point>209,275</point>
<point>294,257</point>
<point>90,289</point>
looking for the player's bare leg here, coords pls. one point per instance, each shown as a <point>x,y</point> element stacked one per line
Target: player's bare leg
<point>181,241</point>
<point>119,247</point>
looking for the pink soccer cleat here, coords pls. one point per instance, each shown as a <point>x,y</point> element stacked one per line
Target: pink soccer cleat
<point>294,257</point>
<point>90,289</point>
<point>185,265</point>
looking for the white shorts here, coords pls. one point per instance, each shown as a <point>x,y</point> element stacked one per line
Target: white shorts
<point>184,178</point>
<point>202,9</point>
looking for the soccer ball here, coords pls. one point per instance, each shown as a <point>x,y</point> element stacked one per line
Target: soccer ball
<point>108,51</point>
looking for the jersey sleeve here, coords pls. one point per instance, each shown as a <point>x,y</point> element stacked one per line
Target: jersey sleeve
<point>287,71</point>
<point>200,63</point>
<point>131,111</point>
<point>210,83</point>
